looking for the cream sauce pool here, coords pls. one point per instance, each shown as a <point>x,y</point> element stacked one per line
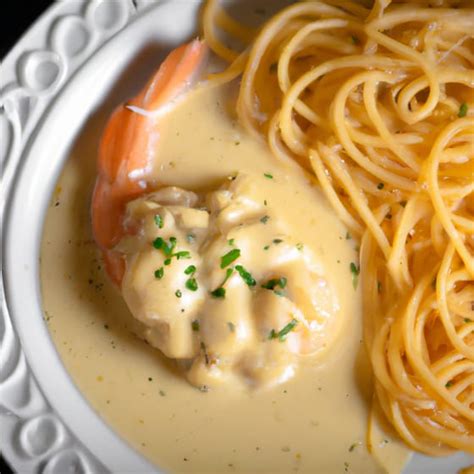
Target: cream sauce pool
<point>317,422</point>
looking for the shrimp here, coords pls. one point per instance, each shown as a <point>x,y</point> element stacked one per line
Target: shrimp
<point>127,148</point>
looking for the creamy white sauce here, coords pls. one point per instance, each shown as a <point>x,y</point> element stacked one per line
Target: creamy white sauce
<point>316,422</point>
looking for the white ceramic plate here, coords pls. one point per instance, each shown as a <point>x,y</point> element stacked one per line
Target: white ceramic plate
<point>79,56</point>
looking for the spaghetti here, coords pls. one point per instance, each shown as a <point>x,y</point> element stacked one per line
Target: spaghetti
<point>377,103</point>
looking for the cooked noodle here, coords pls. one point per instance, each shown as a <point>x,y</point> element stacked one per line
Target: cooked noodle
<point>378,104</point>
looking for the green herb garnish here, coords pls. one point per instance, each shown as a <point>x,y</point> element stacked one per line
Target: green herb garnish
<point>182,254</point>
<point>463,110</point>
<point>277,241</point>
<point>191,270</point>
<point>230,257</point>
<point>190,238</point>
<point>228,274</point>
<point>231,241</point>
<point>178,293</point>
<point>266,247</point>
<point>161,244</point>
<point>281,335</point>
<point>268,175</point>
<point>168,249</point>
<point>218,292</point>
<point>299,246</point>
<point>355,270</point>
<point>195,326</point>
<point>231,326</point>
<point>264,219</point>
<point>191,284</point>
<point>449,384</point>
<point>167,261</point>
<point>158,221</point>
<point>246,276</point>
<point>159,273</point>
<point>158,243</point>
<point>270,284</point>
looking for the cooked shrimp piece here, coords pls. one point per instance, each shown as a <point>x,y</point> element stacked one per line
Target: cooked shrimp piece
<point>127,148</point>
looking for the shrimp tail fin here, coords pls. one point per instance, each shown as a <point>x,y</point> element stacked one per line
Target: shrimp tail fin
<point>128,144</point>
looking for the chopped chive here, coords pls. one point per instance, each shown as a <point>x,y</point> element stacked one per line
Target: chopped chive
<point>265,202</point>
<point>159,273</point>
<point>231,326</point>
<point>158,243</point>
<point>270,284</point>
<point>355,270</point>
<point>158,221</point>
<point>178,293</point>
<point>190,238</point>
<point>190,270</point>
<point>182,254</point>
<point>277,241</point>
<point>352,447</point>
<point>195,325</point>
<point>168,249</point>
<point>449,384</point>
<point>264,219</point>
<point>281,335</point>
<point>231,241</point>
<point>279,292</point>
<point>299,246</point>
<point>467,320</point>
<point>191,284</point>
<point>229,257</point>
<point>228,274</point>
<point>380,186</point>
<point>218,292</point>
<point>266,247</point>
<point>246,276</point>
<point>463,110</point>
<point>161,244</point>
<point>268,175</point>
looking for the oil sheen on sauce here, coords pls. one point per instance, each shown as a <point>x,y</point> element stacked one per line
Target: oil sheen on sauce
<point>317,422</point>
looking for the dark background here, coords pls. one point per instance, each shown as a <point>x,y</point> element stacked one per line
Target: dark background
<point>15,22</point>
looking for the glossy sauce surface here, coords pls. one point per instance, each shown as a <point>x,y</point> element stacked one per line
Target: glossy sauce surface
<point>314,423</point>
